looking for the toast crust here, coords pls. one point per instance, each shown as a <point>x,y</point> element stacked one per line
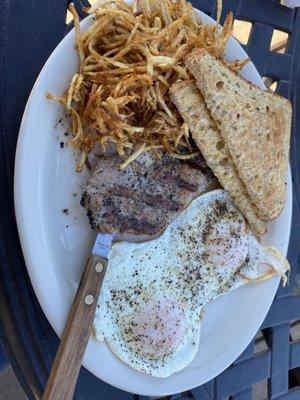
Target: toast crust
<point>191,106</point>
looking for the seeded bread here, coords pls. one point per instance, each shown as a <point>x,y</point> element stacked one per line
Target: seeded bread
<point>191,106</point>
<point>255,125</point>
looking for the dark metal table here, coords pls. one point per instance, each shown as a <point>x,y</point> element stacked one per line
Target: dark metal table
<point>30,30</point>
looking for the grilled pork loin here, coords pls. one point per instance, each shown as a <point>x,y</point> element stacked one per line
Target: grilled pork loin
<point>143,198</point>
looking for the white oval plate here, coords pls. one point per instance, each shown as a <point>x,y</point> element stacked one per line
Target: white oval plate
<point>56,244</point>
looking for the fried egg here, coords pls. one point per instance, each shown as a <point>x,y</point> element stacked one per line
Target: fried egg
<point>152,298</point>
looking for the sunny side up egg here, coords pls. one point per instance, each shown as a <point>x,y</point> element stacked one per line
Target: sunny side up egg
<point>151,301</point>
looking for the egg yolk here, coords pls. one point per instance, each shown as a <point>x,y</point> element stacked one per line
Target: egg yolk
<point>226,246</point>
<point>158,329</point>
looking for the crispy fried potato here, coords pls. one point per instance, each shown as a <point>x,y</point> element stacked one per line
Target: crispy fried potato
<point>128,59</point>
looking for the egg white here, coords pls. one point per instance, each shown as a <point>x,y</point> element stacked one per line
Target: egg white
<point>206,252</point>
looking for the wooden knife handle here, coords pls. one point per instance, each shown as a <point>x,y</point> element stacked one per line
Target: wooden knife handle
<point>65,369</point>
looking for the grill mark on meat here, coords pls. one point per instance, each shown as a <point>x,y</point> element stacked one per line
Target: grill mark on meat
<point>143,198</point>
<point>177,181</point>
<point>130,224</point>
<point>183,184</point>
<point>150,199</point>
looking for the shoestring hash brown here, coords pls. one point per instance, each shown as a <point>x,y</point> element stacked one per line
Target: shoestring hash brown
<point>128,58</point>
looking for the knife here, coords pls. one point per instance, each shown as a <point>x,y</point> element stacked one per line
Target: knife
<point>66,366</point>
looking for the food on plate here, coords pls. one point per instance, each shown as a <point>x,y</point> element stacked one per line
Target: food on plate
<point>129,57</point>
<point>153,92</point>
<point>206,134</point>
<point>153,293</point>
<point>255,126</point>
<point>143,198</point>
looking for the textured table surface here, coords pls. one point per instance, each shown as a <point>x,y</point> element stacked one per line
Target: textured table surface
<point>30,31</point>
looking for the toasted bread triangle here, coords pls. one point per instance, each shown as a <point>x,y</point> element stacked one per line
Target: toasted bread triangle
<point>255,126</point>
<point>191,106</point>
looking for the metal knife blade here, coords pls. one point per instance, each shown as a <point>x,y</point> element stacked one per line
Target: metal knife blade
<point>102,245</point>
